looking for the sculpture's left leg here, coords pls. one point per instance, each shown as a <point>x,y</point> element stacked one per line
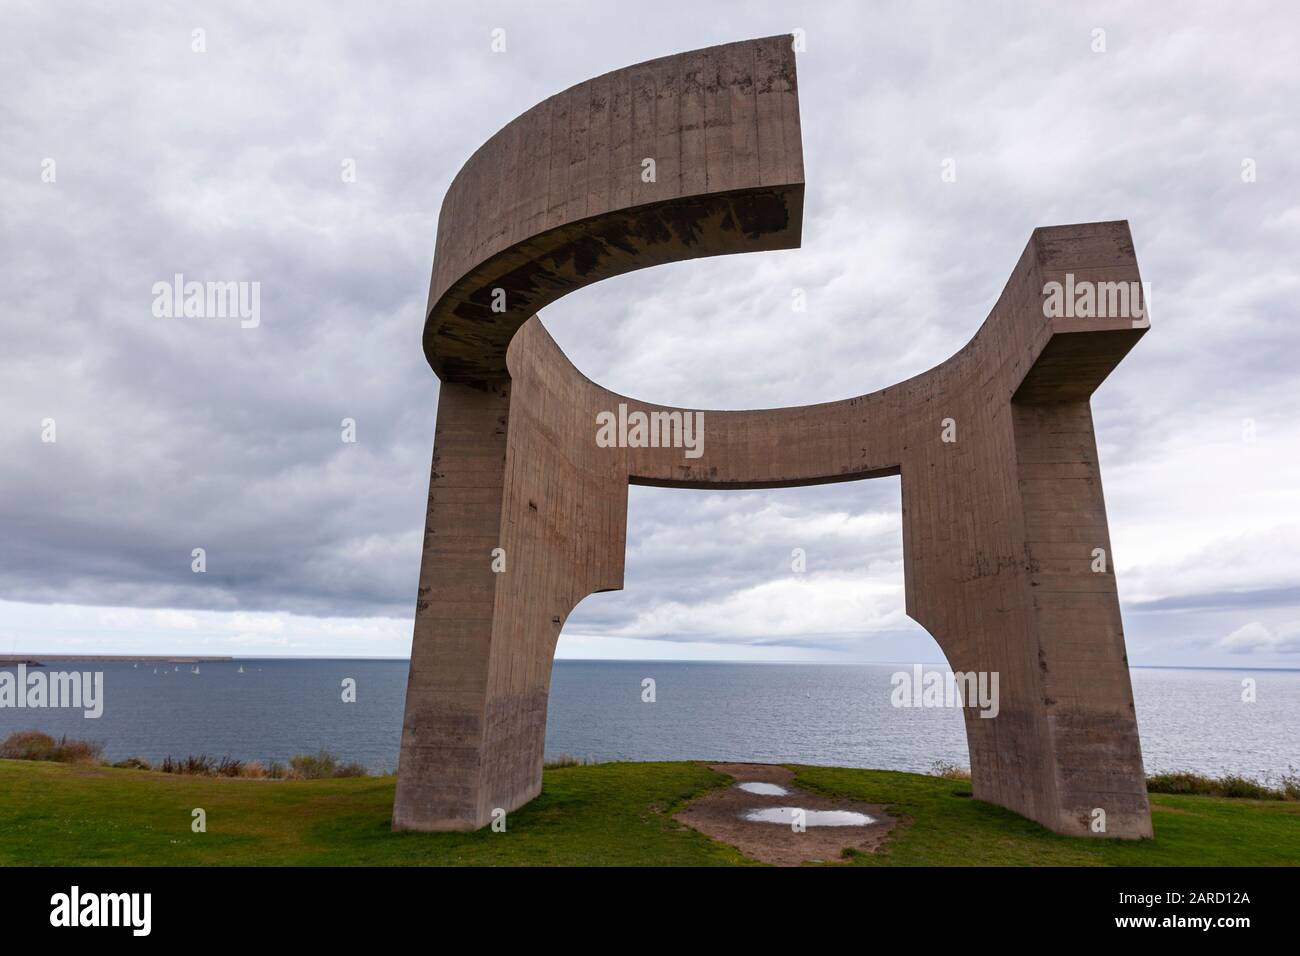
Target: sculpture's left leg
<point>526,518</point>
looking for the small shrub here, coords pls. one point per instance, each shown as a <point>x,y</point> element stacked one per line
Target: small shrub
<point>563,760</point>
<point>313,766</point>
<point>27,745</point>
<point>205,766</point>
<point>948,771</point>
<point>200,765</point>
<point>322,765</point>
<point>191,766</point>
<point>1178,782</point>
<point>1184,782</point>
<point>1234,786</point>
<point>79,751</point>
<point>229,767</point>
<point>1291,784</point>
<point>34,745</point>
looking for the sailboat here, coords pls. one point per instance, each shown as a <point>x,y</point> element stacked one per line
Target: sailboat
<point>196,669</point>
<point>241,668</point>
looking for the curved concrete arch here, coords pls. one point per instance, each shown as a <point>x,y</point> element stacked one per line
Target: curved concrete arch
<point>1003,514</point>
<point>681,157</point>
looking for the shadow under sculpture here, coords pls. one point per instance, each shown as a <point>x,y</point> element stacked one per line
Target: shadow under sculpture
<point>695,155</point>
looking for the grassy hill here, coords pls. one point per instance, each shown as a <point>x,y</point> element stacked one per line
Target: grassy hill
<point>602,814</point>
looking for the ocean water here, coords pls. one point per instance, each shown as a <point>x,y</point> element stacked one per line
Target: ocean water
<point>1189,719</point>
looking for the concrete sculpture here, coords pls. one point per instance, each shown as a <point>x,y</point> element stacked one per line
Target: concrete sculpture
<point>1003,518</point>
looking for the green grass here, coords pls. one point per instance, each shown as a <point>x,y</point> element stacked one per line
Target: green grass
<point>600,814</point>
<point>947,827</point>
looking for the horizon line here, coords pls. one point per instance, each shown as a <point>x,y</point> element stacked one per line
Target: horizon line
<point>12,659</point>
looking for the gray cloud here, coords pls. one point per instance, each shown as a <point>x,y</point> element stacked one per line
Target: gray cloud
<point>225,165</point>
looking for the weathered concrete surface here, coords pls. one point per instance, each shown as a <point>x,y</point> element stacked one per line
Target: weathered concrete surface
<point>558,199</point>
<point>1000,526</point>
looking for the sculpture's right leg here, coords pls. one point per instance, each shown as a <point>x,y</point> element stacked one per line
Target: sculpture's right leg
<point>440,779</point>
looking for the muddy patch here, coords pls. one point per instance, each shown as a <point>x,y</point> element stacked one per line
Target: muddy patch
<point>755,814</point>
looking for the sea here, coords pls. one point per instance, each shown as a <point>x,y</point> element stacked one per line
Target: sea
<point>1204,720</point>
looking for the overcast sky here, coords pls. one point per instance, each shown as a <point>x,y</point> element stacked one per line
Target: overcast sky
<point>128,157</point>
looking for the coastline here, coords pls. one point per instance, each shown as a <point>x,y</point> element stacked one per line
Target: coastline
<point>40,660</point>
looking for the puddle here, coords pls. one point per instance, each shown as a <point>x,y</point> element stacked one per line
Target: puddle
<point>765,789</point>
<point>812,818</point>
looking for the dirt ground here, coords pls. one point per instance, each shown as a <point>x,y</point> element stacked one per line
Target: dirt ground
<point>719,815</point>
